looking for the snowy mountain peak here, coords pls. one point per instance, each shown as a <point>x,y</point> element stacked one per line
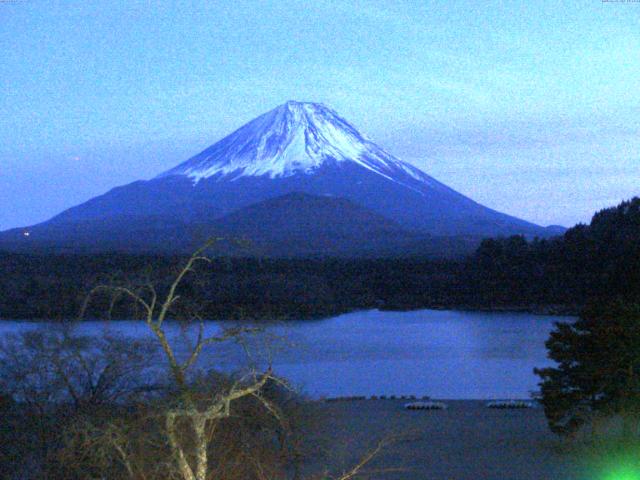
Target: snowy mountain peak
<point>294,138</point>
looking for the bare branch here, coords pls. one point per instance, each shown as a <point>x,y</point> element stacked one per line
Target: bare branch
<point>137,299</point>
<point>366,459</point>
<point>171,296</point>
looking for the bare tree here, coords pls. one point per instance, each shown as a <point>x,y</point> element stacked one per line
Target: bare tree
<point>55,375</point>
<point>187,434</point>
<point>191,418</point>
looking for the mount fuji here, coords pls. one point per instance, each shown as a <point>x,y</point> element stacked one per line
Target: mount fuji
<point>298,179</point>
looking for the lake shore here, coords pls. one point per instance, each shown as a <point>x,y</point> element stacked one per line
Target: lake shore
<point>534,309</point>
<point>467,441</point>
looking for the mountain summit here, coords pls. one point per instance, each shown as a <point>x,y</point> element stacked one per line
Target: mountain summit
<point>294,138</point>
<point>303,152</point>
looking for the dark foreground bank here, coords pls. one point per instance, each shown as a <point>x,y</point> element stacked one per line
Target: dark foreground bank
<point>467,441</point>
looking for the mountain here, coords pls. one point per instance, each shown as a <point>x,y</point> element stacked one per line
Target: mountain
<point>295,148</point>
<point>298,224</point>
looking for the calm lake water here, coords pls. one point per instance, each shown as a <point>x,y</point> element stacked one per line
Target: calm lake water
<point>444,354</point>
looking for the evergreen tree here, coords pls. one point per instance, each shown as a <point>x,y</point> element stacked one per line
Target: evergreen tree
<point>598,370</point>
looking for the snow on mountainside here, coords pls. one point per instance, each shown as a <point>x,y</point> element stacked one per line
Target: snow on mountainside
<point>293,138</point>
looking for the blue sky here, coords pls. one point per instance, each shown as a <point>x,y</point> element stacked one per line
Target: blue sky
<point>529,107</point>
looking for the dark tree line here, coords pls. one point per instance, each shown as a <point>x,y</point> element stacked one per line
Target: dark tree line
<point>600,260</point>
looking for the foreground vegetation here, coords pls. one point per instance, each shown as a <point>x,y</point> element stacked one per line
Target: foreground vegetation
<point>596,383</point>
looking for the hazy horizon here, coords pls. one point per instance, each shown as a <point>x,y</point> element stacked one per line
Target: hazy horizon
<point>528,109</point>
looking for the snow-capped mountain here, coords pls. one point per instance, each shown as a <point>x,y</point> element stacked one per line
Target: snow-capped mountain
<point>296,148</point>
<point>294,138</point>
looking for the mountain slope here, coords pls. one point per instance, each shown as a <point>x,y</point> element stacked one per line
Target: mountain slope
<point>299,224</point>
<point>293,225</point>
<point>297,147</point>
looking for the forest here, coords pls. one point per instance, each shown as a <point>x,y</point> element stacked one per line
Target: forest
<point>600,260</point>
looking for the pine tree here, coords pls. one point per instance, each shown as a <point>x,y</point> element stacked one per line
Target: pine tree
<point>598,370</point>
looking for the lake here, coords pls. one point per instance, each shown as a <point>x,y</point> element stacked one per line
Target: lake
<point>443,354</point>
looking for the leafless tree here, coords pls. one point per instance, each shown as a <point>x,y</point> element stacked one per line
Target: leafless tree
<point>53,375</point>
<point>194,413</point>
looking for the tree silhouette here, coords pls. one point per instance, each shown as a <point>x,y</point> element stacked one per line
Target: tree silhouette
<point>598,372</point>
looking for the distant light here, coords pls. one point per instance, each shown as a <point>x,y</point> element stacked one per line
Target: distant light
<point>26,234</point>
